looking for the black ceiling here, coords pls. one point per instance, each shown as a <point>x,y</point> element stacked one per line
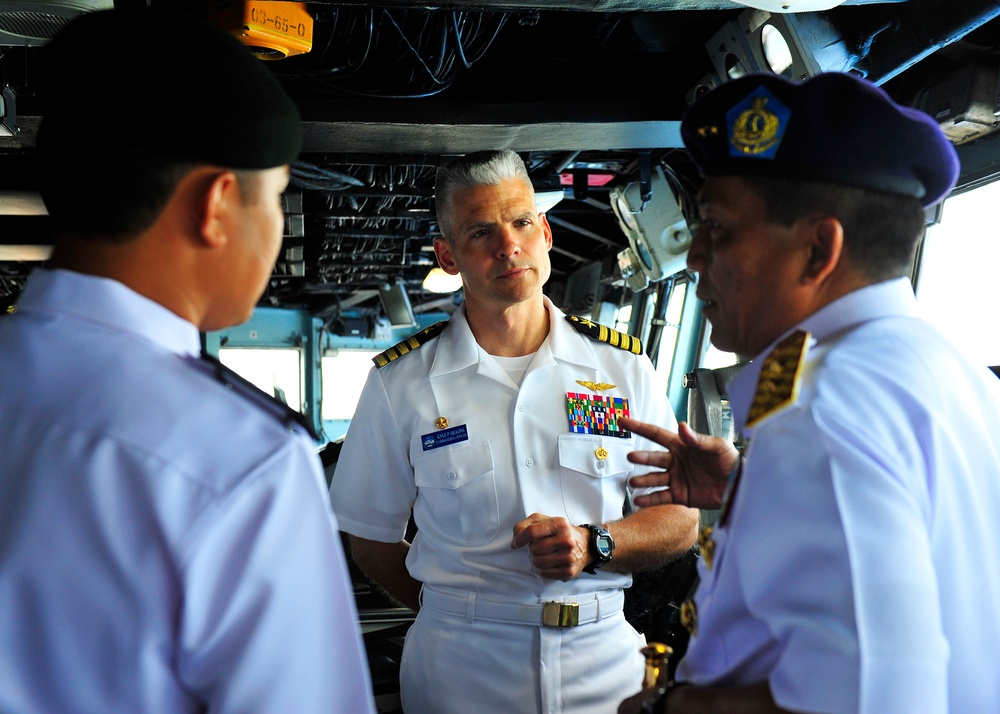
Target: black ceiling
<point>583,90</point>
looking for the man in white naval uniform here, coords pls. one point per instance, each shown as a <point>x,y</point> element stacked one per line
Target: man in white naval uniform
<point>499,431</point>
<point>856,563</point>
<point>166,544</point>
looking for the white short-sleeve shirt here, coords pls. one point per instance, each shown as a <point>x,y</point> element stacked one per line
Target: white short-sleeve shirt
<point>858,569</point>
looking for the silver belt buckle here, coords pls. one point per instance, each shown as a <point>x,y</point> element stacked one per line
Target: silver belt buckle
<point>560,614</point>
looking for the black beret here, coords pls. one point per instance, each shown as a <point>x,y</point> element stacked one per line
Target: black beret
<point>833,127</point>
<point>168,82</point>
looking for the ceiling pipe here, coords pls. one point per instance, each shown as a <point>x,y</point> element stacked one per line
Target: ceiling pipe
<point>925,26</point>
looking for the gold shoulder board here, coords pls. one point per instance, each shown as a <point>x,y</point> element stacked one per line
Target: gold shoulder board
<point>778,384</point>
<point>605,334</point>
<point>408,345</point>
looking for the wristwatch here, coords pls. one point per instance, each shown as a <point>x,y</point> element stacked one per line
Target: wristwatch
<point>601,545</point>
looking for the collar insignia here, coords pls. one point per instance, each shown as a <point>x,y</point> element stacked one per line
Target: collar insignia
<point>706,546</point>
<point>778,384</point>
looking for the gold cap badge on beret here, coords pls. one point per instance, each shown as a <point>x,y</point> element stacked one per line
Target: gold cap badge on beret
<point>756,125</point>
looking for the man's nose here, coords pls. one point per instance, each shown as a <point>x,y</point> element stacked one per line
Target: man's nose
<point>697,252</point>
<point>509,243</point>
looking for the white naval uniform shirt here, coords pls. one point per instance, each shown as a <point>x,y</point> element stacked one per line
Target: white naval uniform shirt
<point>165,544</point>
<point>519,458</point>
<point>859,567</point>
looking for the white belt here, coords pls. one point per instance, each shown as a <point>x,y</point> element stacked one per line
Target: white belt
<point>579,610</point>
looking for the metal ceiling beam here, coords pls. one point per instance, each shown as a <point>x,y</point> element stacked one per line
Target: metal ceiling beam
<point>370,136</point>
<point>577,5</point>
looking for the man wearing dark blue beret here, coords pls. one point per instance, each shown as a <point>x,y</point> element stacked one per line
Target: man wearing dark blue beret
<point>855,566</point>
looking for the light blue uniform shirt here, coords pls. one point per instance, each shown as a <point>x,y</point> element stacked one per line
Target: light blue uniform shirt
<point>859,569</point>
<point>166,545</point>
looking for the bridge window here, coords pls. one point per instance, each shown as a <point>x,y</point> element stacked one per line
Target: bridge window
<point>344,375</point>
<point>275,371</point>
<point>956,282</point>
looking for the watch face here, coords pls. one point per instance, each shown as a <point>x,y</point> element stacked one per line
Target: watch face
<point>604,545</point>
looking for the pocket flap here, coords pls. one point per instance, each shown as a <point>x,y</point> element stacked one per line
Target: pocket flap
<point>452,466</point>
<point>594,455</point>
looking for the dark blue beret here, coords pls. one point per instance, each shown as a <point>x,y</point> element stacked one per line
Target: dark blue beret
<point>834,127</point>
<point>164,81</point>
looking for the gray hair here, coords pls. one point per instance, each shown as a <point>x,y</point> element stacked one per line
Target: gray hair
<point>482,168</point>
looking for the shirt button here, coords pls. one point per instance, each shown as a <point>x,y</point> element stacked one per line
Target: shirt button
<point>529,462</point>
<point>521,407</point>
<point>452,475</point>
<point>600,464</point>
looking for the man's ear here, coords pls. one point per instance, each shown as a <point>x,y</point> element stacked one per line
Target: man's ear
<point>219,191</point>
<point>547,229</point>
<point>825,248</point>
<point>445,257</point>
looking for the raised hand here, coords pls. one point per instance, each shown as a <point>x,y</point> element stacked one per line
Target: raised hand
<point>696,466</point>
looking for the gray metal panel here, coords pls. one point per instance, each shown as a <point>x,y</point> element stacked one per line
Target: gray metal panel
<point>581,5</point>
<point>372,136</point>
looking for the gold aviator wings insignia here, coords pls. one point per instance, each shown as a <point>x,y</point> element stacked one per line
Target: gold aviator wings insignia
<point>596,386</point>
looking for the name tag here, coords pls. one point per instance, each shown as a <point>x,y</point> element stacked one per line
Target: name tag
<point>445,437</point>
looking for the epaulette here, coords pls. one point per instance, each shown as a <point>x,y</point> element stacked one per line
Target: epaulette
<point>599,332</point>
<point>235,383</point>
<point>778,384</point>
<point>408,345</point>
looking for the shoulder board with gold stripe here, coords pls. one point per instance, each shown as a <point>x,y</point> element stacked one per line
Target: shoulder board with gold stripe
<point>599,332</point>
<point>408,345</point>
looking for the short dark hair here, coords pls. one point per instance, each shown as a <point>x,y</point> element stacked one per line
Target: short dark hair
<point>115,195</point>
<point>881,229</point>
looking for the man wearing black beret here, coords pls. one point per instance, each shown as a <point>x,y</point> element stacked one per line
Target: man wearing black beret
<point>855,565</point>
<point>166,544</point>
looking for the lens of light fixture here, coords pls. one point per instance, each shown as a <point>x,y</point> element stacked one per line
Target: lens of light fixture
<point>546,200</point>
<point>734,68</point>
<point>776,50</point>
<point>438,281</point>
